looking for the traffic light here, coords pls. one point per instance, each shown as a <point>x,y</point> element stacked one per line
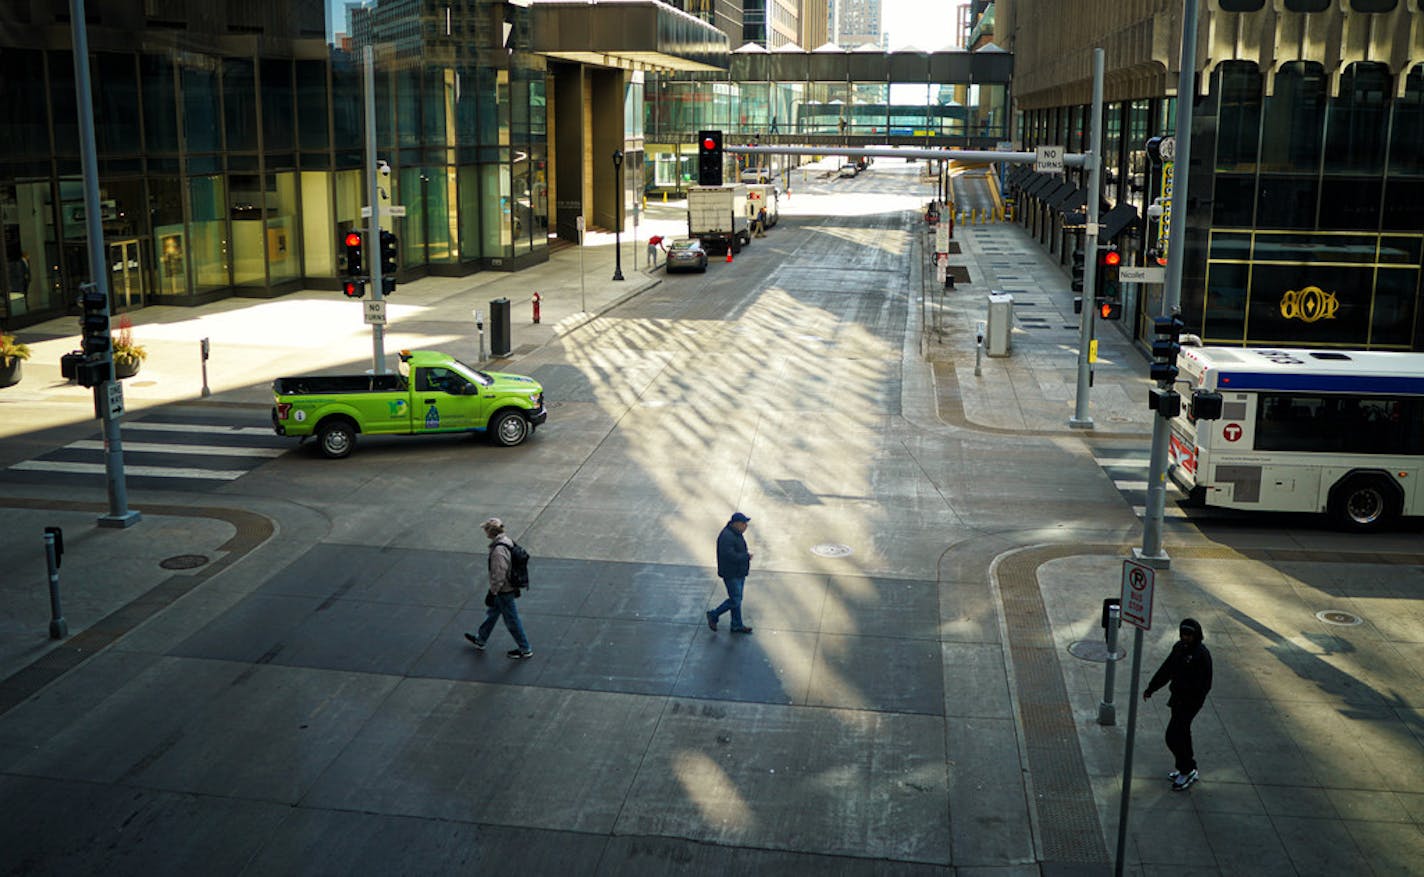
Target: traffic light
<point>709,158</point>
<point>1108,293</point>
<point>95,340</point>
<point>1165,347</point>
<point>90,365</point>
<point>390,263</point>
<point>351,241</point>
<point>353,287</point>
<point>1077,270</point>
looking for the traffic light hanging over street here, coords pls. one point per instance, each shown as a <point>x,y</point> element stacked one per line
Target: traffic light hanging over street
<point>709,158</point>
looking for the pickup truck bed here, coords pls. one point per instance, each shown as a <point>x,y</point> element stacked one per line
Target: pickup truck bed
<point>336,384</point>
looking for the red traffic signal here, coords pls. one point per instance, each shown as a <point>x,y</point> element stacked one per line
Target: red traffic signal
<point>1112,258</point>
<point>709,143</point>
<point>1109,309</point>
<point>353,288</point>
<point>353,239</point>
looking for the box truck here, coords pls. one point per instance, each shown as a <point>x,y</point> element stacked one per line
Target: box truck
<point>717,216</point>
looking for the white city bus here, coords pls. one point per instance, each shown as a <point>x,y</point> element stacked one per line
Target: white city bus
<point>1304,431</point>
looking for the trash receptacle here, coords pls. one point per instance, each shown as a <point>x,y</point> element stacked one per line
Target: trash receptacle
<point>1000,336</point>
<point>499,327</point>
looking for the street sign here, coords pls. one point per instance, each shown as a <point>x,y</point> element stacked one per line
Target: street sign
<point>941,259</point>
<point>1048,159</point>
<point>1141,274</point>
<point>376,312</point>
<point>941,270</point>
<point>1137,583</point>
<point>389,210</point>
<point>942,238</point>
<point>115,405</point>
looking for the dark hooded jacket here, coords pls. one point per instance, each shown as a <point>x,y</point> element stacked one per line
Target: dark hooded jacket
<point>1187,670</point>
<point>733,559</point>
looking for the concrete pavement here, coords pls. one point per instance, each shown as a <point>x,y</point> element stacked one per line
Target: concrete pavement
<point>1311,744</point>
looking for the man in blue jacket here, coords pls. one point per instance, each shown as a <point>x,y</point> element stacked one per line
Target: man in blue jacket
<point>734,561</point>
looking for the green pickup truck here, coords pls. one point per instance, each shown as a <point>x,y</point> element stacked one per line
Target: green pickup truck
<point>433,393</point>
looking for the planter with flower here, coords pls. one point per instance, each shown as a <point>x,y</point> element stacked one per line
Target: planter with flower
<point>12,353</point>
<point>128,356</point>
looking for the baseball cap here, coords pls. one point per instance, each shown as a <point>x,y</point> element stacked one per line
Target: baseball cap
<point>738,517</point>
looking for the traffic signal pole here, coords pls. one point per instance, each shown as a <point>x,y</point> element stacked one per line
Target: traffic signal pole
<point>1081,419</point>
<point>373,231</point>
<point>119,515</point>
<point>1151,552</point>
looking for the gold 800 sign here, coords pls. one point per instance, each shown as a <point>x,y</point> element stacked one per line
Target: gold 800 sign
<point>1309,304</point>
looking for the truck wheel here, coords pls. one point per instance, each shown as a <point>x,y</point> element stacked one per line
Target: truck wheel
<point>336,438</point>
<point>736,244</point>
<point>509,429</point>
<point>1364,503</point>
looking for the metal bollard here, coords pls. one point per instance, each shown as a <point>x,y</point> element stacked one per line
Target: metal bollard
<point>480,325</point>
<point>54,551</point>
<point>1112,620</point>
<point>204,348</point>
<point>979,349</point>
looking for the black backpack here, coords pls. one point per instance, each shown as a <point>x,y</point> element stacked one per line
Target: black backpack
<point>518,566</point>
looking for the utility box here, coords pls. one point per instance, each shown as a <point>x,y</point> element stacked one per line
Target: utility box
<point>1000,335</point>
<point>499,327</point>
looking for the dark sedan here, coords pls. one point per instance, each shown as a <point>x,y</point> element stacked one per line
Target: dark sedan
<point>686,253</point>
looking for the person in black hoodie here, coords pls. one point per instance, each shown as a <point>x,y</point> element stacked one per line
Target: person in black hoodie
<point>1188,671</point>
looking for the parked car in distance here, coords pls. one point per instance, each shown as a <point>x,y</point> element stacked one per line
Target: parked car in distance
<point>686,254</point>
<point>756,175</point>
<point>849,170</point>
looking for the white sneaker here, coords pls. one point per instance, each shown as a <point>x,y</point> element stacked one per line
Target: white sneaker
<point>1184,780</point>
<point>1172,775</point>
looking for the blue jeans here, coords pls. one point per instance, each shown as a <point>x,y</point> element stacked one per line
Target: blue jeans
<point>504,605</point>
<point>733,603</point>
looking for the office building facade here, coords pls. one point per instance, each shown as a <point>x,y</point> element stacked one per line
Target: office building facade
<point>1304,208</point>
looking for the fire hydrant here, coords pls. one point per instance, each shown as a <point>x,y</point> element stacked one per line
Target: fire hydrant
<point>537,299</point>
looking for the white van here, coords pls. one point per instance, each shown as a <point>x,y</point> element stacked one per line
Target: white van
<point>756,175</point>
<point>763,195</point>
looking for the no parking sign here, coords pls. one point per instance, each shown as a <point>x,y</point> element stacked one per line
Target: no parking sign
<point>1137,580</point>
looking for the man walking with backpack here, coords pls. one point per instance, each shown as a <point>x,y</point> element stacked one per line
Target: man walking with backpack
<point>503,590</point>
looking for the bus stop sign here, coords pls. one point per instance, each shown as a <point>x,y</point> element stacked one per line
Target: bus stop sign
<point>1137,582</point>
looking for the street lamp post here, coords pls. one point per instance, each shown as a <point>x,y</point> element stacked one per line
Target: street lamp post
<point>617,214</point>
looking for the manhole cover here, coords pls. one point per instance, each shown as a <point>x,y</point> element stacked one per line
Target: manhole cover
<point>183,561</point>
<point>831,549</point>
<point>1093,650</point>
<point>1338,616</point>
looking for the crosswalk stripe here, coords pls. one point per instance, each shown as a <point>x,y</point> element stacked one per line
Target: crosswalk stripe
<point>1167,512</point>
<point>144,471</point>
<point>1135,462</point>
<point>208,450</point>
<point>1130,485</point>
<point>200,427</point>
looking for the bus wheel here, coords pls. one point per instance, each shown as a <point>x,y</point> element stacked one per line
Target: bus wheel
<point>1364,502</point>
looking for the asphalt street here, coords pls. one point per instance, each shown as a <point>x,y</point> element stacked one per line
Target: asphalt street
<point>267,674</point>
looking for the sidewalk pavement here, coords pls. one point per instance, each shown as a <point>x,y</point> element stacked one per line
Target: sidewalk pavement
<point>1312,744</point>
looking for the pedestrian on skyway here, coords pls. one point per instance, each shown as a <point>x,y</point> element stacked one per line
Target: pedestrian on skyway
<point>734,561</point>
<point>1188,671</point>
<point>501,595</point>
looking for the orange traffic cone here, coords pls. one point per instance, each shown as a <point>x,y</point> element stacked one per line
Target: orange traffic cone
<point>729,252</point>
